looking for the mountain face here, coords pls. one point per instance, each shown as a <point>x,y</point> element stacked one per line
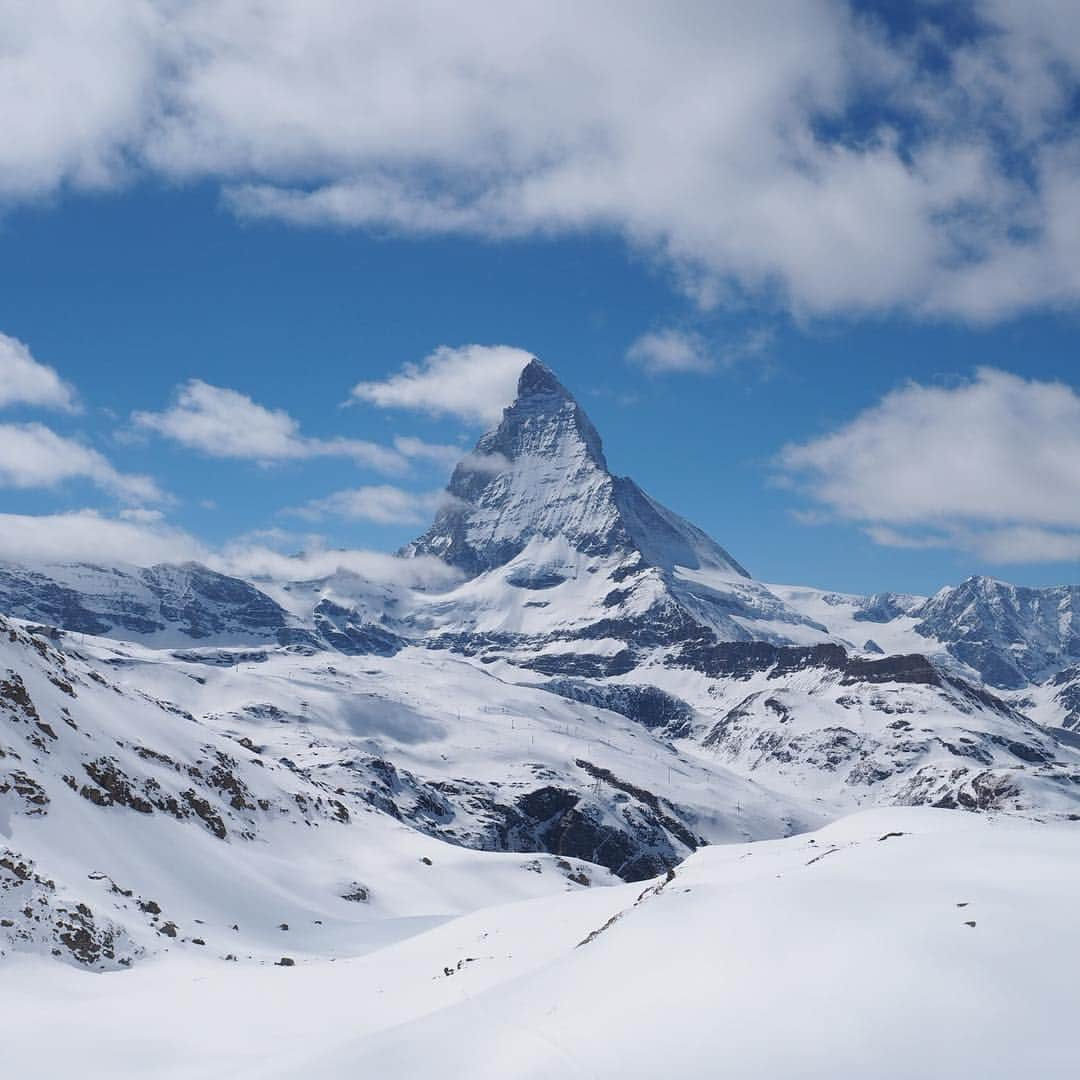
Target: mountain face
<point>541,474</point>
<point>165,604</point>
<point>557,549</point>
<point>597,692</point>
<point>1014,639</point>
<point>1009,634</point>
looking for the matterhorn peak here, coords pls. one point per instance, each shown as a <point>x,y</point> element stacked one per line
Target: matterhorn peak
<point>543,420</point>
<point>542,474</point>
<point>537,378</point>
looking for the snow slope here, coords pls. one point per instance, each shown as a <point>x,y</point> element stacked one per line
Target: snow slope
<point>844,954</point>
<point>894,943</point>
<point>130,827</point>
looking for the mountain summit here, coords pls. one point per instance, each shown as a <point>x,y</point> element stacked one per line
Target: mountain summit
<point>542,473</point>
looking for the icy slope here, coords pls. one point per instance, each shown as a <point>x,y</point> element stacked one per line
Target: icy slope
<point>873,625</point>
<point>892,944</point>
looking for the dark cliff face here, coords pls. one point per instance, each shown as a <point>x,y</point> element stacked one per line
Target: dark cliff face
<point>205,603</point>
<point>27,594</point>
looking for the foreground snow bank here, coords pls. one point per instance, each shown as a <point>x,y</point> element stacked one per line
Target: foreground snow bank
<point>894,943</point>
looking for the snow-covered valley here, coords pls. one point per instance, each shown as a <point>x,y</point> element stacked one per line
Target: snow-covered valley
<point>894,943</point>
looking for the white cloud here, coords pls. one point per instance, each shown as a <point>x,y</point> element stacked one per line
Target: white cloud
<point>383,504</point>
<point>780,148</point>
<point>443,454</point>
<point>473,382</point>
<point>260,562</point>
<point>1025,544</point>
<point>34,456</point>
<point>660,352</point>
<point>227,424</point>
<point>142,515</point>
<point>671,351</point>
<point>24,381</point>
<point>88,536</point>
<point>79,83</point>
<point>990,465</point>
<point>796,151</point>
<point>492,462</point>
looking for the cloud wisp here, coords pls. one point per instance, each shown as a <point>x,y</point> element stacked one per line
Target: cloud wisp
<point>225,423</point>
<point>90,536</point>
<point>473,383</point>
<point>673,351</point>
<point>444,455</point>
<point>34,456</point>
<point>662,352</point>
<point>381,504</point>
<point>25,381</point>
<point>991,465</point>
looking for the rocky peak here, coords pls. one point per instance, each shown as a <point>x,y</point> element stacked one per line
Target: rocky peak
<point>1010,634</point>
<point>544,421</point>
<point>542,474</point>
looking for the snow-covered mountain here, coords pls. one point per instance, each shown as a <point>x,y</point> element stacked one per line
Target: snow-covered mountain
<point>1020,642</point>
<point>595,691</point>
<point>540,475</point>
<point>563,557</point>
<point>1010,635</point>
<point>164,605</point>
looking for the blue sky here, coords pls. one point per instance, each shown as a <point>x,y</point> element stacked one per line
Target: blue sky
<point>727,348</point>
